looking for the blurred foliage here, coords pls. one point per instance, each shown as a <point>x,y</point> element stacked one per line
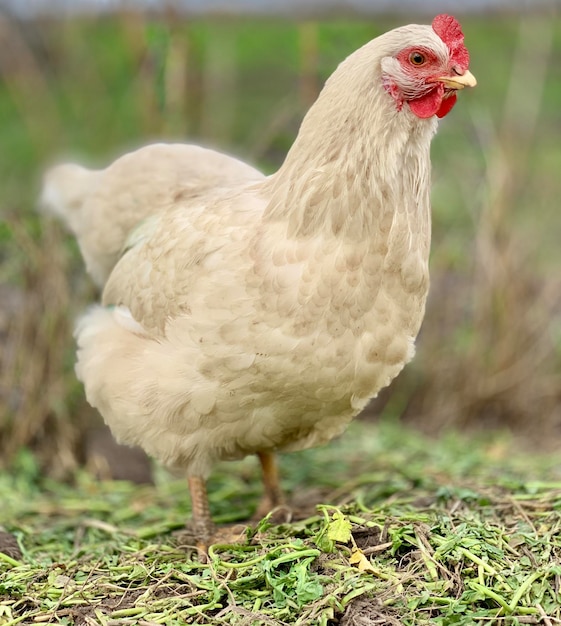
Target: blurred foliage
<point>93,88</point>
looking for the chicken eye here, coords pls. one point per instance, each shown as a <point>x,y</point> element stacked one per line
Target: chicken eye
<point>416,58</point>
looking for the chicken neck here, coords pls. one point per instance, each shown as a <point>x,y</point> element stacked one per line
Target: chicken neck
<point>355,156</point>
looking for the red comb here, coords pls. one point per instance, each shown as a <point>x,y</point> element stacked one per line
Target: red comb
<point>449,30</point>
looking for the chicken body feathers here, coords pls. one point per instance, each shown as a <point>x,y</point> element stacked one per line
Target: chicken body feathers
<point>251,340</point>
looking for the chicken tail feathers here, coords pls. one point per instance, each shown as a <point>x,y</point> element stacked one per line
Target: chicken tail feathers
<point>63,191</point>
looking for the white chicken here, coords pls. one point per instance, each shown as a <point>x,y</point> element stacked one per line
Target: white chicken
<point>264,316</point>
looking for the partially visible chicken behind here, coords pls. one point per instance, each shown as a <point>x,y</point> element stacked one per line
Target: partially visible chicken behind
<point>102,207</point>
<point>264,317</point>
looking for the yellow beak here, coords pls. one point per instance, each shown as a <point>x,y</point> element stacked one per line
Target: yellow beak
<point>467,79</point>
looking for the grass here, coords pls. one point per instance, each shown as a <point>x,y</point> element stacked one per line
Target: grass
<point>414,532</point>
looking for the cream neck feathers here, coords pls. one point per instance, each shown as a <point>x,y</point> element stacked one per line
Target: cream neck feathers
<point>355,155</point>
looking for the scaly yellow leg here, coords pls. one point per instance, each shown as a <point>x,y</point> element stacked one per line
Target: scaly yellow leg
<point>202,523</point>
<point>273,496</point>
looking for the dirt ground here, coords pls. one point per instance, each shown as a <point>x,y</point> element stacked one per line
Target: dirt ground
<point>9,545</point>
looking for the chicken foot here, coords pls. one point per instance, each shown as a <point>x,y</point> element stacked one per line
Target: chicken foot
<point>201,525</point>
<point>203,528</point>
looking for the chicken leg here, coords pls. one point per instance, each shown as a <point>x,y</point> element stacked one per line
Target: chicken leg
<point>203,528</point>
<point>272,496</point>
<point>201,521</point>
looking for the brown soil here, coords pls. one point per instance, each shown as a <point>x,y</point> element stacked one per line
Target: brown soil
<point>9,545</point>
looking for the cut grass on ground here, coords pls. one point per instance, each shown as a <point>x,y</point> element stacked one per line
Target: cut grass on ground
<point>411,532</point>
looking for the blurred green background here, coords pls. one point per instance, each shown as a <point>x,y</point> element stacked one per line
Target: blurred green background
<point>91,88</point>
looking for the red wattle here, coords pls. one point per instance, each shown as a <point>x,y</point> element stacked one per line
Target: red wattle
<point>428,105</point>
<point>433,103</point>
<point>446,105</point>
